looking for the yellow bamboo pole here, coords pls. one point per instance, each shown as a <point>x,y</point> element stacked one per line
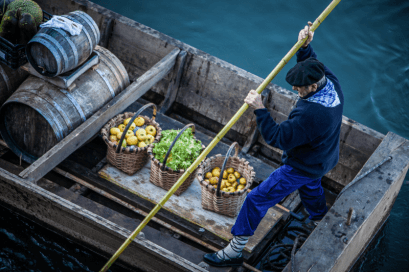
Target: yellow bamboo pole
<point>220,135</point>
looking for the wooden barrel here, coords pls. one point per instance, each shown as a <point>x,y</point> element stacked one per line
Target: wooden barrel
<point>39,114</point>
<point>53,51</point>
<point>10,80</point>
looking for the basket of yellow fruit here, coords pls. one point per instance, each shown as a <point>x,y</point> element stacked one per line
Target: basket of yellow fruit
<point>128,137</point>
<point>224,189</point>
<point>170,157</point>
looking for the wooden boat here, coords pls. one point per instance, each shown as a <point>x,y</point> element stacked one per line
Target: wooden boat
<point>92,203</point>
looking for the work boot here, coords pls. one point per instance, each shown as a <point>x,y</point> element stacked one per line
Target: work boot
<point>214,260</point>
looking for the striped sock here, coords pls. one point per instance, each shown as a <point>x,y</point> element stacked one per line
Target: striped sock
<point>234,249</point>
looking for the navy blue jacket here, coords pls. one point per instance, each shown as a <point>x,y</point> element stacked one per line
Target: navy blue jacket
<point>310,135</point>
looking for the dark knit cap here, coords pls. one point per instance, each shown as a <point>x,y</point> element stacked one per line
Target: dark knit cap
<point>305,73</point>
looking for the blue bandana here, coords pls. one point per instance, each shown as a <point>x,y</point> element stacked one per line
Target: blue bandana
<point>327,96</point>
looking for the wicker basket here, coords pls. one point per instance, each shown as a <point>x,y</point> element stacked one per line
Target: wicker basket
<point>163,176</point>
<point>129,159</point>
<point>213,199</point>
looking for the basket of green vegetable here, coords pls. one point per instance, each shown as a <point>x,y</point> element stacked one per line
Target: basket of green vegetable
<point>170,158</point>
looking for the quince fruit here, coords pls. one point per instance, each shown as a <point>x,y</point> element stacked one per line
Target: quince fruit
<point>121,127</point>
<point>139,121</point>
<point>132,140</point>
<point>114,131</point>
<point>151,130</point>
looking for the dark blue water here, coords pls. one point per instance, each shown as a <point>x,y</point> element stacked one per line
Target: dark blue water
<point>365,44</point>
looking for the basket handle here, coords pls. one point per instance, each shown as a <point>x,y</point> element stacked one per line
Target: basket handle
<point>234,145</point>
<point>174,141</point>
<point>118,149</point>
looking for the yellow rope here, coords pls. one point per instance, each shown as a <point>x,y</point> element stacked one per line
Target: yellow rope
<point>219,136</point>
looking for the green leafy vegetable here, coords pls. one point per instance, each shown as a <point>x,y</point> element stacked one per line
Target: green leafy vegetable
<point>184,152</point>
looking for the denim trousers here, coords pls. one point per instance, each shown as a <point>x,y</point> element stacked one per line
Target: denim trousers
<point>278,185</point>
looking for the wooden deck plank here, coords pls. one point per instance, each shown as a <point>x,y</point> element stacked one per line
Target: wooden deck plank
<point>187,205</point>
<point>92,126</point>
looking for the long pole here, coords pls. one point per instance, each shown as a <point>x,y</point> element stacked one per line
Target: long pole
<point>220,135</point>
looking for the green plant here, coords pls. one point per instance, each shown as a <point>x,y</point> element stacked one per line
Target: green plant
<point>183,153</point>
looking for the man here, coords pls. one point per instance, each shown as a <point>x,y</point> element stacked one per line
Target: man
<point>310,141</point>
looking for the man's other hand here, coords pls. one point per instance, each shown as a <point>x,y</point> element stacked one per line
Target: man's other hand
<point>304,33</point>
<point>253,99</point>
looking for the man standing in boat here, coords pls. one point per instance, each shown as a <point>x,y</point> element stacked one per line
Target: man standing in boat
<point>310,141</point>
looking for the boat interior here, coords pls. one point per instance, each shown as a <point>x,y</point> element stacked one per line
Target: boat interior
<point>206,91</point>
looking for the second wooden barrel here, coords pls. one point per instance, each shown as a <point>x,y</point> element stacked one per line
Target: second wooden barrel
<point>53,51</point>
<point>39,114</point>
<point>9,81</point>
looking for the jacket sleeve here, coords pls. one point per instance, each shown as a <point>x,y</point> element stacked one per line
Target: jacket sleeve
<point>288,134</point>
<point>305,53</point>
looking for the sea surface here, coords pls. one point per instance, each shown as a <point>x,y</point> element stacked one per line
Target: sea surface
<point>365,44</point>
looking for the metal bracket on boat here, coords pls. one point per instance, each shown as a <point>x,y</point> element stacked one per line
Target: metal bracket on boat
<point>363,175</point>
<point>66,80</point>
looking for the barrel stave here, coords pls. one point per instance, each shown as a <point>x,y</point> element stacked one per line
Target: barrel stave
<point>58,111</point>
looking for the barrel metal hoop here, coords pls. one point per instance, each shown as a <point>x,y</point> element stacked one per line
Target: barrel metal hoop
<point>52,49</point>
<point>57,107</point>
<point>85,31</point>
<point>106,82</point>
<point>6,79</point>
<point>90,22</point>
<point>114,71</point>
<point>72,45</point>
<point>105,52</point>
<point>75,103</point>
<point>57,45</point>
<point>54,123</point>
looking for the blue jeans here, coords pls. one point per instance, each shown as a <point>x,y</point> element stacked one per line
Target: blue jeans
<point>279,184</point>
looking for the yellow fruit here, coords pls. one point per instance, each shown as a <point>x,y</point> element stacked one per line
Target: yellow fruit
<point>231,178</point>
<point>141,135</point>
<point>129,133</point>
<point>228,184</point>
<point>113,138</point>
<point>225,174</point>
<point>230,170</point>
<point>216,168</point>
<point>237,174</point>
<point>139,121</point>
<point>141,144</point>
<point>216,172</point>
<point>231,189</point>
<point>140,131</point>
<point>132,127</point>
<point>240,187</point>
<point>121,127</point>
<point>151,130</point>
<point>149,139</point>
<point>126,121</point>
<point>124,143</point>
<point>213,180</point>
<point>119,135</point>
<point>225,189</point>
<point>114,131</point>
<point>132,140</point>
<point>243,181</point>
<point>208,175</point>
<point>223,184</point>
<point>234,185</point>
